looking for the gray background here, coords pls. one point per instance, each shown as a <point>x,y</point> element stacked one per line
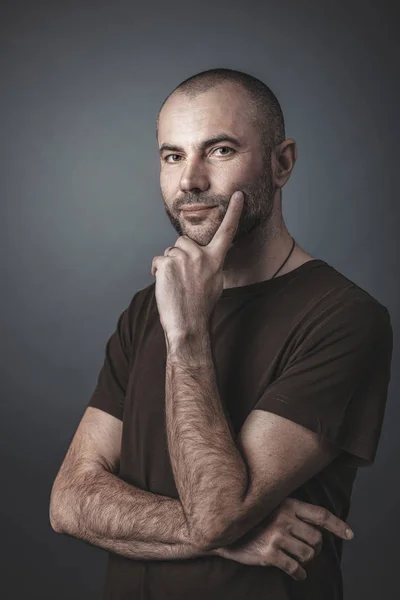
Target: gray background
<point>81,84</point>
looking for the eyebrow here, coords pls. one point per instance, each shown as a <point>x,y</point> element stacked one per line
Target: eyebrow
<point>221,137</point>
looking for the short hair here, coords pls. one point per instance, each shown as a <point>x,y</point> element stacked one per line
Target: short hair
<point>265,111</point>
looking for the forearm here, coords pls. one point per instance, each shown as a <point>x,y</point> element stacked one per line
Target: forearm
<point>209,471</point>
<point>136,549</point>
<point>103,510</point>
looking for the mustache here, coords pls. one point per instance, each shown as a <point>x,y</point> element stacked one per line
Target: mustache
<point>193,199</point>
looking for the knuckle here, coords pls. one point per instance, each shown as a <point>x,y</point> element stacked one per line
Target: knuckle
<point>321,515</point>
<point>309,554</point>
<point>276,539</point>
<point>287,526</point>
<point>317,537</point>
<point>280,515</point>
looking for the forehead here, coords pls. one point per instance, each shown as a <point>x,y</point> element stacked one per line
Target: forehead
<point>225,107</point>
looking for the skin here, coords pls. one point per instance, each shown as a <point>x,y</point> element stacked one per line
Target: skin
<point>211,176</point>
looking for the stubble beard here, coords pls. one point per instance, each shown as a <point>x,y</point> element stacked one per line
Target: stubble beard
<point>257,210</point>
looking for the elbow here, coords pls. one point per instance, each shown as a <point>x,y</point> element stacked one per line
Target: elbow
<point>204,542</point>
<point>54,518</point>
<point>55,525</point>
<point>57,517</point>
<point>224,529</point>
<point>220,523</point>
<point>216,534</point>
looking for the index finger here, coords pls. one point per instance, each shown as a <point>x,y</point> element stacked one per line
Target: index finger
<point>222,239</point>
<point>317,515</point>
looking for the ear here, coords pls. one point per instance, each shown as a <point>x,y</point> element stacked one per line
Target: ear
<point>283,157</point>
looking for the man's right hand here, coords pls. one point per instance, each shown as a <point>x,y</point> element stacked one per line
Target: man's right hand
<point>294,528</point>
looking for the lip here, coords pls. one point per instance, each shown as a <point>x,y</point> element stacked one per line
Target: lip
<point>197,207</point>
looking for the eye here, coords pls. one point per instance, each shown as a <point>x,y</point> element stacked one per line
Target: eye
<point>179,156</point>
<point>168,155</point>
<point>224,148</point>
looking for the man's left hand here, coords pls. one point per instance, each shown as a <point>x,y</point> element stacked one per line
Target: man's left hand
<point>189,277</point>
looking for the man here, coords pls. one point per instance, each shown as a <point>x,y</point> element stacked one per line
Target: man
<point>240,391</point>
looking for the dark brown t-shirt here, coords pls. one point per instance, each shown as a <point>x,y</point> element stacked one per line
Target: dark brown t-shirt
<point>311,346</point>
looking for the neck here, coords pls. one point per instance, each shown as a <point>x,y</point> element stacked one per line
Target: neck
<point>257,256</point>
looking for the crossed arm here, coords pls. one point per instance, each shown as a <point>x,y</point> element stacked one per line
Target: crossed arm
<point>88,501</point>
<point>225,489</point>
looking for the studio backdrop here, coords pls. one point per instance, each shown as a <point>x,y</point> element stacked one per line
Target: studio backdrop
<point>81,84</point>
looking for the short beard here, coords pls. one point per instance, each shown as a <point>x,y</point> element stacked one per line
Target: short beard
<point>257,210</point>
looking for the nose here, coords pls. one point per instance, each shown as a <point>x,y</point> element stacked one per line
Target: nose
<point>194,176</point>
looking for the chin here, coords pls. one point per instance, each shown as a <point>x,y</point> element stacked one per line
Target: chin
<point>202,238</point>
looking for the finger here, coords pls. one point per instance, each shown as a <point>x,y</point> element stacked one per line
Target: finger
<point>309,534</point>
<point>300,551</point>
<point>172,251</point>
<point>155,264</point>
<point>318,515</point>
<point>290,566</point>
<point>223,237</point>
<point>188,245</point>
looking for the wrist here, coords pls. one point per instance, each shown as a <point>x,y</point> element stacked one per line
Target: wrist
<point>189,344</point>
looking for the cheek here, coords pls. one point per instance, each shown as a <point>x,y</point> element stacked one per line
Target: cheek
<point>165,188</point>
<point>168,184</point>
<point>234,177</point>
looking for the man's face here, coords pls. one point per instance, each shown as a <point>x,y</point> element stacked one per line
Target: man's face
<point>191,174</point>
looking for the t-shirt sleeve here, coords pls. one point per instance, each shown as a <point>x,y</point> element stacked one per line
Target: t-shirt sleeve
<point>112,381</point>
<point>336,381</point>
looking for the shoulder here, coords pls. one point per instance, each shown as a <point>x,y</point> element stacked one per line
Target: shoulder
<point>332,306</point>
<point>326,288</point>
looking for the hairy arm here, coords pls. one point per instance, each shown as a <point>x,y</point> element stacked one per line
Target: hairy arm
<point>89,502</point>
<point>227,485</point>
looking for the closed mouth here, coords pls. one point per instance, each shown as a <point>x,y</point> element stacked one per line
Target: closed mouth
<point>195,207</point>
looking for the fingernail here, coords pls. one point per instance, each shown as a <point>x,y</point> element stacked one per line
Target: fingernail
<point>349,534</point>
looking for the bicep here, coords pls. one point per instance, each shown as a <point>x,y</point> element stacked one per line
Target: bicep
<point>280,456</point>
<point>96,444</point>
